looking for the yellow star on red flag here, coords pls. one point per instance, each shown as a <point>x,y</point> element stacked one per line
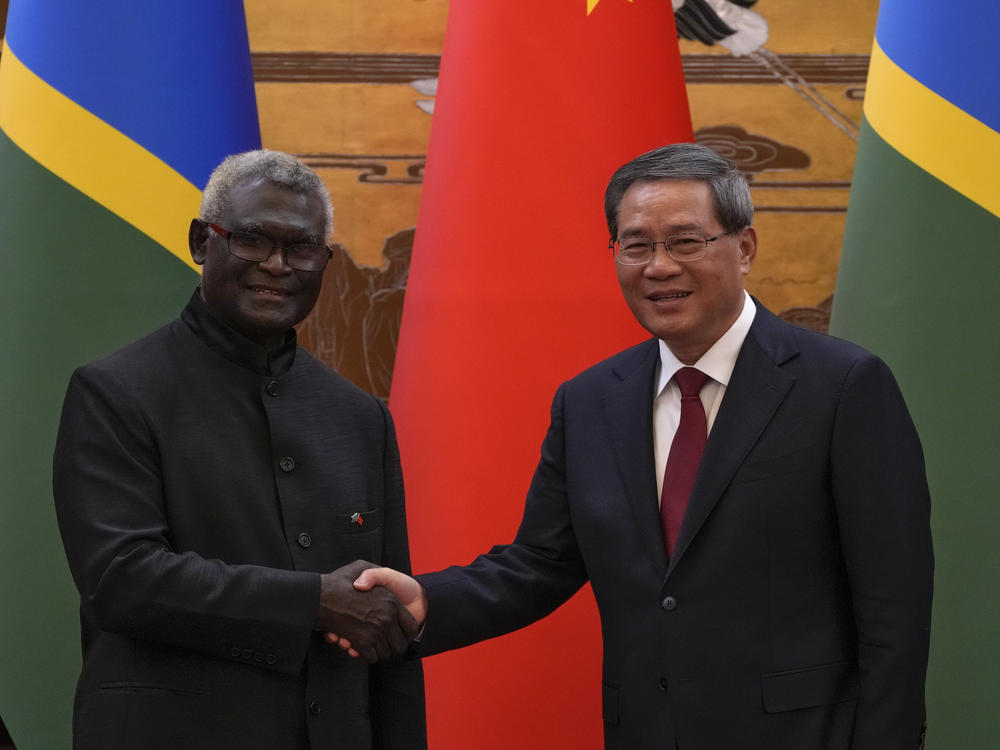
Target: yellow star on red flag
<point>591,4</point>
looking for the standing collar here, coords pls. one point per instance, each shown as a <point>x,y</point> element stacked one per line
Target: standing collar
<point>235,346</point>
<point>718,362</point>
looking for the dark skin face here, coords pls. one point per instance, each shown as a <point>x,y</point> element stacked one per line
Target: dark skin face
<point>261,300</point>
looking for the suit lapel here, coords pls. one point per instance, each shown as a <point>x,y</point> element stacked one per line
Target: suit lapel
<point>627,408</point>
<point>755,391</point>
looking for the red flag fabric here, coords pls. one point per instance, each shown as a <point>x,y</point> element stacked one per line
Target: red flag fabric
<point>512,290</point>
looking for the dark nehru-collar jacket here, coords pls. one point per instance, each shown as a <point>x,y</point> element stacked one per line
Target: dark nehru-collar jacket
<point>201,486</point>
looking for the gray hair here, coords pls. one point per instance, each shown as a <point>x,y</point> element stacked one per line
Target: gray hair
<point>275,167</point>
<point>685,161</point>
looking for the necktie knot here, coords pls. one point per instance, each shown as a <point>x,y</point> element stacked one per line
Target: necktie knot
<point>690,380</point>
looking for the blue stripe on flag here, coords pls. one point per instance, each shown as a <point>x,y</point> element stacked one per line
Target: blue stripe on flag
<point>156,71</point>
<point>949,47</point>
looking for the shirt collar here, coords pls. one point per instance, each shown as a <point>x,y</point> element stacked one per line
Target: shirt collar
<point>233,345</point>
<point>718,362</point>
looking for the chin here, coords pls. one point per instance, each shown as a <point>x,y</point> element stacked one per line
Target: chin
<point>668,331</point>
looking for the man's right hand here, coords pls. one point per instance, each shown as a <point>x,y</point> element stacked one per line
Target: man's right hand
<point>406,589</point>
<point>375,623</point>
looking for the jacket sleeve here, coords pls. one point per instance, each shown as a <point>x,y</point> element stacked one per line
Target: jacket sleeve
<point>883,510</point>
<point>514,584</point>
<point>397,685</point>
<point>114,518</point>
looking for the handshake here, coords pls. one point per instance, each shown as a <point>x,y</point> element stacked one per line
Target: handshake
<point>372,613</point>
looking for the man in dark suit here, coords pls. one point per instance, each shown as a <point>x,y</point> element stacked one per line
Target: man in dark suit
<point>778,596</point>
<point>208,478</point>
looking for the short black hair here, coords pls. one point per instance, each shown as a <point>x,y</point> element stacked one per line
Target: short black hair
<point>685,161</point>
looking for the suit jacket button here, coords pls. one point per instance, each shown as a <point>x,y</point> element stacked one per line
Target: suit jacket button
<point>305,541</point>
<point>669,603</point>
<point>315,708</point>
<point>287,463</point>
<point>273,388</point>
<point>663,684</point>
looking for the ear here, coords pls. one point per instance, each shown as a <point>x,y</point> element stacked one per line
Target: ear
<point>198,241</point>
<point>748,248</point>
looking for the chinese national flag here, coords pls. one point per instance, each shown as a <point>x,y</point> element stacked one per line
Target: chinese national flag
<point>512,290</point>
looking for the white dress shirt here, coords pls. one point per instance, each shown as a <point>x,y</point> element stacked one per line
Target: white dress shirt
<point>718,363</point>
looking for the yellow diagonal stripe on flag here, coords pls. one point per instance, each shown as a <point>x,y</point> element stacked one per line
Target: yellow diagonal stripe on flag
<point>591,4</point>
<point>932,132</point>
<point>111,168</point>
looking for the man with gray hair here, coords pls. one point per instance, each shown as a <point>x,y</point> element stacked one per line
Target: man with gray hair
<point>746,498</point>
<point>217,489</point>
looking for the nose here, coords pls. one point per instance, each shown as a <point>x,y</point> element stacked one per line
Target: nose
<point>662,264</point>
<point>276,264</point>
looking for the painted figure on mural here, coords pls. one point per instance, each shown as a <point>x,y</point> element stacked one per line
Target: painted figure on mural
<point>746,498</point>
<point>357,327</point>
<point>731,24</point>
<point>215,487</point>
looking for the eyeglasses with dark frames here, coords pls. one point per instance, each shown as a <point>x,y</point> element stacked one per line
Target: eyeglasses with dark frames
<point>257,247</point>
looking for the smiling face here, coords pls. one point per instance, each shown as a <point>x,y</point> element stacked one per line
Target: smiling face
<point>688,305</point>
<point>261,300</point>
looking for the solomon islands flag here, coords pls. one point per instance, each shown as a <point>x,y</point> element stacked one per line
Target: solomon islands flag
<point>112,116</point>
<point>918,284</point>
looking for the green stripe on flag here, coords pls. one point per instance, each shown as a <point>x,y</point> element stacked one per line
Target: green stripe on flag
<point>75,282</point>
<point>918,284</point>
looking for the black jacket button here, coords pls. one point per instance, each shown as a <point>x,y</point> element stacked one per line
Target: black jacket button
<point>273,388</point>
<point>305,541</point>
<point>315,708</point>
<point>669,603</point>
<point>287,463</point>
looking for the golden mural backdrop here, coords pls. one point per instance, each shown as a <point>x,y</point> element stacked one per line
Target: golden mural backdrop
<point>349,87</point>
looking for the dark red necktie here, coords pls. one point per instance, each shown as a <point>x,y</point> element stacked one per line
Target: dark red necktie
<point>685,453</point>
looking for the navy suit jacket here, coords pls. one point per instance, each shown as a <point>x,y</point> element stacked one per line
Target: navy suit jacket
<point>795,612</point>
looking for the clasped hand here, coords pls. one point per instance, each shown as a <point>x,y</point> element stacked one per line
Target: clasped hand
<point>370,624</point>
<point>378,616</point>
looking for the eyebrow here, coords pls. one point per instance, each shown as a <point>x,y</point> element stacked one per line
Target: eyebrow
<point>259,229</point>
<point>675,229</point>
